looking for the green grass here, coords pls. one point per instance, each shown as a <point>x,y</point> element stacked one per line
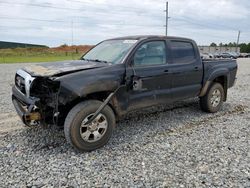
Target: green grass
<point>20,55</point>
<point>30,59</point>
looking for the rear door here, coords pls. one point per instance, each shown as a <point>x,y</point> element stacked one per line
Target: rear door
<point>186,69</point>
<point>150,74</point>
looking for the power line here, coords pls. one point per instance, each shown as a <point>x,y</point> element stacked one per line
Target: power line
<point>108,5</point>
<point>101,24</point>
<point>64,21</point>
<point>18,27</point>
<point>31,19</point>
<point>74,9</point>
<point>195,22</point>
<point>190,21</point>
<point>200,33</point>
<point>38,5</point>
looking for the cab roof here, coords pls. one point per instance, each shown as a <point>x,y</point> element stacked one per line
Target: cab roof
<point>141,37</point>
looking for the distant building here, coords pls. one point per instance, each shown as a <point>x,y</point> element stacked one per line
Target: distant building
<point>4,45</point>
<point>218,49</point>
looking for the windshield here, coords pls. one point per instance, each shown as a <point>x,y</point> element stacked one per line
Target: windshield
<point>111,51</point>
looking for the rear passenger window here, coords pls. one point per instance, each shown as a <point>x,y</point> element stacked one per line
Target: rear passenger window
<point>182,52</point>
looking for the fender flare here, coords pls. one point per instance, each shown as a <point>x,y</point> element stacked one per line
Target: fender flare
<point>211,80</point>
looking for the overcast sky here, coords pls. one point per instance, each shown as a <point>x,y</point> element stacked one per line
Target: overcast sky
<point>51,22</point>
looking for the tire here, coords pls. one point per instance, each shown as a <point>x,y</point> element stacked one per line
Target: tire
<point>78,134</point>
<point>213,99</point>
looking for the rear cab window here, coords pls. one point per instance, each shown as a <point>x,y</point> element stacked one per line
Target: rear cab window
<point>182,52</point>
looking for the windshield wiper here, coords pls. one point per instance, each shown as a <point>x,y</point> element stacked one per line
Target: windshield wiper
<point>86,59</point>
<point>96,60</point>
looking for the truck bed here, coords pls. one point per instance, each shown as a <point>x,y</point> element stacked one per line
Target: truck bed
<point>220,66</point>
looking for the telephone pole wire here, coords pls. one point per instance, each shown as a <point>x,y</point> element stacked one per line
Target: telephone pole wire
<point>166,18</point>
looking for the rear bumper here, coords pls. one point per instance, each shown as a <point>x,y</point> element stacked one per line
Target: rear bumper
<point>26,107</point>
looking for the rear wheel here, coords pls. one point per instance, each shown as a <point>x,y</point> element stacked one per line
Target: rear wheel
<point>88,137</point>
<point>213,99</point>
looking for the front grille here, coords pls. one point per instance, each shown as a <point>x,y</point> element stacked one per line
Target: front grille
<point>20,83</point>
<point>23,80</point>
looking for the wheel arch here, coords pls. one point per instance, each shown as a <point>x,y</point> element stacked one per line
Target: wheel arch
<point>100,96</point>
<point>220,78</point>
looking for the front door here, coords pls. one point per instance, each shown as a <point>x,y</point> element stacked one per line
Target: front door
<point>150,77</point>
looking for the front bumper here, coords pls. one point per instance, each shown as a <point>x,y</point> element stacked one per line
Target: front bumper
<point>26,107</point>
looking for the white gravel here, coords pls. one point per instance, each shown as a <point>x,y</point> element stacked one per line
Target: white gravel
<point>167,146</point>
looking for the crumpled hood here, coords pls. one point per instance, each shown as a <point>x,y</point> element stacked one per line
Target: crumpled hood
<point>61,67</point>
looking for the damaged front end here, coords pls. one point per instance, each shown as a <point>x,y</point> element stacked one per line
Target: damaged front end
<point>35,99</point>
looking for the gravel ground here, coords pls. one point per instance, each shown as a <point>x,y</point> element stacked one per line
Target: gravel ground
<point>167,146</point>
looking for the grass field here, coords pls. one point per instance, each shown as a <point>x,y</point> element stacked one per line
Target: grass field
<point>27,55</point>
<point>29,59</point>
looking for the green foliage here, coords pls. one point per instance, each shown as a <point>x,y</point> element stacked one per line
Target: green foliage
<point>64,45</point>
<point>244,48</point>
<point>20,55</point>
<point>213,44</point>
<point>23,59</point>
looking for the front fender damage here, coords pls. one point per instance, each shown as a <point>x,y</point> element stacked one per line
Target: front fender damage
<point>46,90</point>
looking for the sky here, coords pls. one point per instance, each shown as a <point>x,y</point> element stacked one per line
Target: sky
<point>57,22</point>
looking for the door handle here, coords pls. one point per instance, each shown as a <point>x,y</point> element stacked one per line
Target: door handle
<point>196,68</point>
<point>165,70</point>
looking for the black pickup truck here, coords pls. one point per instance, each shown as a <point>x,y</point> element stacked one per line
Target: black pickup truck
<point>89,95</point>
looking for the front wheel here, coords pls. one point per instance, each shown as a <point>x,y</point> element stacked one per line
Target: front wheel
<point>213,99</point>
<point>88,137</point>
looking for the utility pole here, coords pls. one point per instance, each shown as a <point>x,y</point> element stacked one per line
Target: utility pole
<point>72,33</point>
<point>238,38</point>
<point>72,38</point>
<point>166,18</point>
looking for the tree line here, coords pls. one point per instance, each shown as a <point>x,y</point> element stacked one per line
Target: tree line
<point>244,47</point>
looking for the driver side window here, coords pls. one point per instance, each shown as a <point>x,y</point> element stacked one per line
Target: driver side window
<point>150,53</point>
